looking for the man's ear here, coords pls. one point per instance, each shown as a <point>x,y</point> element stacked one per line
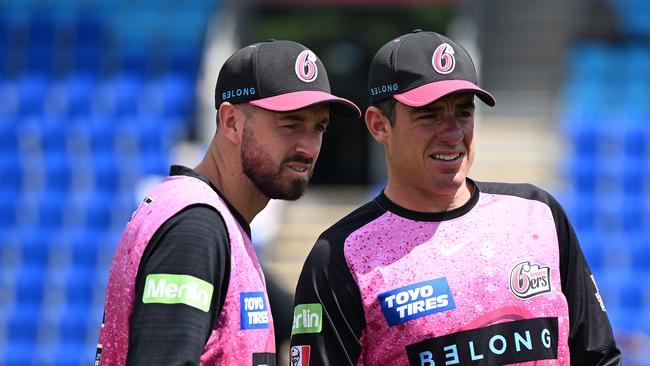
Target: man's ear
<point>377,124</point>
<point>231,122</point>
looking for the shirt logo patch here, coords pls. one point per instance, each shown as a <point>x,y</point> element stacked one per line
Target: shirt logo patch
<point>528,280</point>
<point>506,343</point>
<point>300,355</point>
<point>415,301</point>
<point>177,289</point>
<point>307,318</point>
<point>253,310</point>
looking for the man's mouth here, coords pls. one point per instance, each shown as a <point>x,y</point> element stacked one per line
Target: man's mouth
<point>446,157</point>
<point>298,169</point>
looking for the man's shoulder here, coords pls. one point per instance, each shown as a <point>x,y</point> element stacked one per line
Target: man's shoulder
<point>353,221</point>
<point>521,190</point>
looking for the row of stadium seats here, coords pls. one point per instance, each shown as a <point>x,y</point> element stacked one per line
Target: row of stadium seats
<point>55,37</point>
<point>94,96</point>
<point>606,124</point>
<point>76,95</point>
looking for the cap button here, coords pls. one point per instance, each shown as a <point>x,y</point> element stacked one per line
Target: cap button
<point>417,30</point>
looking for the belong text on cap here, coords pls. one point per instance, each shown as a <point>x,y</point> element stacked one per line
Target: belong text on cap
<point>278,76</point>
<point>421,67</point>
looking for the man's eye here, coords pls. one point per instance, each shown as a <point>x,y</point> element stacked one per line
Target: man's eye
<point>429,116</point>
<point>321,128</point>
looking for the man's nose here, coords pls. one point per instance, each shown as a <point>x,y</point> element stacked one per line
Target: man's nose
<point>450,131</point>
<point>309,145</point>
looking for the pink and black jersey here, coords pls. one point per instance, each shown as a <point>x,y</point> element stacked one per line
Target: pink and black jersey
<point>185,286</point>
<point>501,280</point>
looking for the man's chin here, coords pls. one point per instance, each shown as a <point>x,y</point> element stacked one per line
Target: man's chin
<point>291,191</point>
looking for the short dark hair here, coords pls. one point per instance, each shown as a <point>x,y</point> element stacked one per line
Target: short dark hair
<point>387,108</point>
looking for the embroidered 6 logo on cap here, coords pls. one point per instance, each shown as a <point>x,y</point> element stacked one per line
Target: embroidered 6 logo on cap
<point>306,67</point>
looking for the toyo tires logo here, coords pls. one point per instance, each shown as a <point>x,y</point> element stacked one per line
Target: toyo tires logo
<point>528,280</point>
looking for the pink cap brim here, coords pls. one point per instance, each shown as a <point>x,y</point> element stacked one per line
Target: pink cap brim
<point>298,100</point>
<point>431,92</point>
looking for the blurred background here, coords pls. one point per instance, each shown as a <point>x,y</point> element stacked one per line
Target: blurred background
<point>98,98</point>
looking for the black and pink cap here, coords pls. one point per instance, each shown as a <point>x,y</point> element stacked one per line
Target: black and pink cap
<point>421,67</point>
<point>279,76</point>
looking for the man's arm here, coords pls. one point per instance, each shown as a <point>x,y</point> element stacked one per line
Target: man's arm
<point>192,248</point>
<point>328,319</point>
<point>591,341</point>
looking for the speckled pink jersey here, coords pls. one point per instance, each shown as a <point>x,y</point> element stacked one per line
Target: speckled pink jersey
<point>500,280</point>
<point>229,343</point>
<point>432,279</point>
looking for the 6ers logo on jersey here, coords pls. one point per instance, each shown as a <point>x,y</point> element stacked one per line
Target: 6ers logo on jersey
<point>528,280</point>
<point>443,59</point>
<point>306,68</point>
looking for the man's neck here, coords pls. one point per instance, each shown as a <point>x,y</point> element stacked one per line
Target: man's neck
<point>232,183</point>
<point>422,200</point>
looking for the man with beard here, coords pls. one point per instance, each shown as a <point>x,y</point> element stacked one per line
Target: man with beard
<point>185,286</point>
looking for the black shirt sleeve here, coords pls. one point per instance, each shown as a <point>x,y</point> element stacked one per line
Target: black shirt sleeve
<point>591,341</point>
<point>326,280</point>
<point>193,242</point>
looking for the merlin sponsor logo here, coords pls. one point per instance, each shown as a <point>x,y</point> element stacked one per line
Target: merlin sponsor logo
<point>529,280</point>
<point>254,312</point>
<point>300,355</point>
<point>178,289</point>
<point>263,359</point>
<point>416,300</point>
<point>386,88</point>
<point>239,92</point>
<point>307,318</point>
<point>499,344</point>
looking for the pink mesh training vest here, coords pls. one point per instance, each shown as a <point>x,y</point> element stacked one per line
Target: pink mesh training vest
<point>233,340</point>
<point>500,277</point>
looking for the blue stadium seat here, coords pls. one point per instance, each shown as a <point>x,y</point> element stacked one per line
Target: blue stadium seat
<point>24,323</point>
<point>53,134</point>
<point>17,353</point>
<point>74,324</point>
<point>28,285</point>
<point>640,248</point>
<point>32,89</point>
<point>40,48</point>
<point>36,245</point>
<point>8,206</point>
<point>8,135</point>
<point>11,172</point>
<point>170,95</point>
<point>52,209</point>
<point>154,164</point>
<point>119,95</point>
<point>107,172</point>
<point>73,354</point>
<point>84,247</point>
<point>58,172</point>
<point>72,96</point>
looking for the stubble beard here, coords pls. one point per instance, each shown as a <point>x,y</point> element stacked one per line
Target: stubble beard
<point>258,166</point>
